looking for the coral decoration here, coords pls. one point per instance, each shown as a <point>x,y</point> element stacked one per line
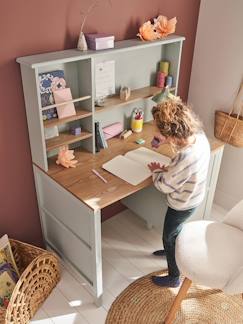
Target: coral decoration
<point>162,27</point>
<point>147,32</point>
<point>66,158</point>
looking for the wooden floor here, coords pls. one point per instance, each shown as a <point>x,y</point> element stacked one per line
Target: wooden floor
<point>126,248</point>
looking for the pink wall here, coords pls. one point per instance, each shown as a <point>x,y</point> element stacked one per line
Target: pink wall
<point>28,27</point>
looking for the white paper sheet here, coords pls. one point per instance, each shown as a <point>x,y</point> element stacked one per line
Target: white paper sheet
<point>128,170</point>
<point>104,79</point>
<point>132,167</point>
<point>146,156</point>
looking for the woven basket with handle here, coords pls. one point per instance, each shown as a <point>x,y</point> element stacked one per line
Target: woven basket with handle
<point>229,126</point>
<point>40,272</point>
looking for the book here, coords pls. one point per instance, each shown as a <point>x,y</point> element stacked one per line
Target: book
<point>97,140</point>
<point>9,273</point>
<point>60,96</point>
<point>133,166</point>
<point>49,82</point>
<point>102,136</point>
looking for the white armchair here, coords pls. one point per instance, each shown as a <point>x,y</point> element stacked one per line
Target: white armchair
<point>210,254</point>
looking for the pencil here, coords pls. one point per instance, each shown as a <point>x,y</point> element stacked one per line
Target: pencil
<point>99,175</point>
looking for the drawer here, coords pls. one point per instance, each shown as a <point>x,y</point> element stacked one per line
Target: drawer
<point>65,207</point>
<point>69,246</point>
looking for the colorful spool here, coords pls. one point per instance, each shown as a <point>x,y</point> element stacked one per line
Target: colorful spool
<point>169,81</point>
<point>160,83</point>
<point>164,66</point>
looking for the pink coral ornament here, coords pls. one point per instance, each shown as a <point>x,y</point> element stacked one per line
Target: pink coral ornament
<point>161,28</point>
<point>164,27</point>
<point>66,158</point>
<point>147,32</point>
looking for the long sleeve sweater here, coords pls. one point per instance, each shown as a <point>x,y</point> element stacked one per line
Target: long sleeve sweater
<point>185,181</point>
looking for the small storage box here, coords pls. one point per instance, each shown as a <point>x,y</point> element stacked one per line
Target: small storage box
<point>99,41</point>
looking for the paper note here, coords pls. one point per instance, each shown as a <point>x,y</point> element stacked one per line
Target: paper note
<point>104,79</point>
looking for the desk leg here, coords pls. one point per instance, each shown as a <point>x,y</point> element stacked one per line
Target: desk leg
<point>96,257</point>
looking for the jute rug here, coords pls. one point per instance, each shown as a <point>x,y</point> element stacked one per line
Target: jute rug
<point>142,302</point>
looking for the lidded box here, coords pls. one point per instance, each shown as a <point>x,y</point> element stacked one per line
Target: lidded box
<point>99,41</point>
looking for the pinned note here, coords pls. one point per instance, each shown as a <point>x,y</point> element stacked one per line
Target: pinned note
<point>104,79</point>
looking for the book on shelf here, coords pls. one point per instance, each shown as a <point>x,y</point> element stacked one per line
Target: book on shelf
<point>100,141</point>
<point>97,140</point>
<point>49,82</point>
<point>133,166</point>
<point>102,136</point>
<point>60,96</point>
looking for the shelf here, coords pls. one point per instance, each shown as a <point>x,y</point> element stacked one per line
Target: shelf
<point>136,95</point>
<point>65,139</point>
<point>65,103</point>
<point>80,114</point>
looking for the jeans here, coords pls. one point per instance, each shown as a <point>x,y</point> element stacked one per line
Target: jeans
<point>174,220</point>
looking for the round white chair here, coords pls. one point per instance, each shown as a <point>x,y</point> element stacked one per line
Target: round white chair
<point>210,253</point>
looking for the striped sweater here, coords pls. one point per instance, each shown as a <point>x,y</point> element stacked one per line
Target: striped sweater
<point>185,181</point>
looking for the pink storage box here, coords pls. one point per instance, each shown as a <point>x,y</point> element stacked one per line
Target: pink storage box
<point>113,130</point>
<point>99,41</point>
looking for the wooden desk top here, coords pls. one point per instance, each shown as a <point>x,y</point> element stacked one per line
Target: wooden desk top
<point>92,191</point>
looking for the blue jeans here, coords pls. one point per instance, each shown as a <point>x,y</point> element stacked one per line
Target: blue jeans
<point>174,220</point>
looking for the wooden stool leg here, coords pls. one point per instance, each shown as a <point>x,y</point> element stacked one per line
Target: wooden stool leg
<point>177,302</point>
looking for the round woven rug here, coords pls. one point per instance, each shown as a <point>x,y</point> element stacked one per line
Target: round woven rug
<point>142,302</point>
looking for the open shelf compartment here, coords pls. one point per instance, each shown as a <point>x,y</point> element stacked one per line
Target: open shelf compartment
<point>136,95</point>
<point>80,114</point>
<point>65,139</point>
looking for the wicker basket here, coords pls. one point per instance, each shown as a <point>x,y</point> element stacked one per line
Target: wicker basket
<point>228,127</point>
<point>40,272</point>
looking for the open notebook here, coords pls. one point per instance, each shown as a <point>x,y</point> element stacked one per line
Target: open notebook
<point>132,167</point>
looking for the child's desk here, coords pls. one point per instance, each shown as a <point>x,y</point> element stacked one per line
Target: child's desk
<point>71,200</point>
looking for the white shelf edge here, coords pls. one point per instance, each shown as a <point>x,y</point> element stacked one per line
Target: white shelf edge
<point>65,103</point>
<point>72,55</point>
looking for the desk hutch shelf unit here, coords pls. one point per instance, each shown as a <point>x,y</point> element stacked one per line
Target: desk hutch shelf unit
<point>71,200</point>
<point>136,64</point>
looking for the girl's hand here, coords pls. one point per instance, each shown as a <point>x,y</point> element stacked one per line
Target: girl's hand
<point>157,166</point>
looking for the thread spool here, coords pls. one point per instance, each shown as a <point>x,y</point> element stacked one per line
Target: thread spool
<point>169,81</point>
<point>164,67</point>
<point>160,81</point>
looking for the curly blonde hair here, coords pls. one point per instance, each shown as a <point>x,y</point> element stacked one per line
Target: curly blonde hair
<point>175,119</point>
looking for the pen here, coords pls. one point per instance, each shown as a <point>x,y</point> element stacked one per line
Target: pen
<point>98,175</point>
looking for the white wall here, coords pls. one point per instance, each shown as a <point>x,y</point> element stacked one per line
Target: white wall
<point>217,72</point>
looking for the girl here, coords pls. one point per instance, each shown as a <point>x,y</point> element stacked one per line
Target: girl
<point>183,180</point>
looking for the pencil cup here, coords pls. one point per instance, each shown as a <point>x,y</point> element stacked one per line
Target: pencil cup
<point>137,120</point>
<point>137,125</point>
